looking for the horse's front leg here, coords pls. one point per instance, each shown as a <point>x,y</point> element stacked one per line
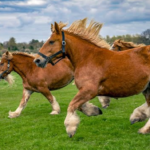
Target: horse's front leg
<point>80,102</point>
<point>104,100</point>
<point>24,100</point>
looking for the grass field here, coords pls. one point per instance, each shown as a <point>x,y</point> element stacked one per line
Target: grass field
<point>35,129</point>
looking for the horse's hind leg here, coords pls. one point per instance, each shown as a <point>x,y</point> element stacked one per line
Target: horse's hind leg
<point>24,100</point>
<point>80,102</point>
<point>89,109</point>
<point>52,100</point>
<point>55,107</point>
<point>104,100</point>
<point>143,112</point>
<point>146,128</point>
<point>139,114</point>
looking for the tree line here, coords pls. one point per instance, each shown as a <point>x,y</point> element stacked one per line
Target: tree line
<point>34,45</point>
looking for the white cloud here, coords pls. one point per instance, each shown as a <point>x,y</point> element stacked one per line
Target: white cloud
<point>49,8</point>
<point>24,3</point>
<point>6,9</point>
<point>122,29</point>
<point>42,20</point>
<point>7,21</point>
<point>93,10</point>
<point>31,2</point>
<point>119,17</point>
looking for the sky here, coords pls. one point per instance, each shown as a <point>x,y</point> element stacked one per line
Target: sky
<point>31,19</point>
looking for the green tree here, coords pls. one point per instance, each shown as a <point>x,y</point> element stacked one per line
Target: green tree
<point>1,46</point>
<point>12,46</point>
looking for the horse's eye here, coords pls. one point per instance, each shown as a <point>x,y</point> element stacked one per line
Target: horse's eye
<point>1,64</point>
<point>51,42</point>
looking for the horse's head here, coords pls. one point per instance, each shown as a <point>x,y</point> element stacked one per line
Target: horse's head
<point>118,45</point>
<point>53,48</point>
<point>5,65</point>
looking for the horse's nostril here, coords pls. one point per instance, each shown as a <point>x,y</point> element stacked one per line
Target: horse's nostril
<point>37,61</point>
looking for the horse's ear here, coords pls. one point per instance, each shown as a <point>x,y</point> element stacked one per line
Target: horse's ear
<point>52,28</point>
<point>8,55</point>
<point>119,41</point>
<point>57,30</point>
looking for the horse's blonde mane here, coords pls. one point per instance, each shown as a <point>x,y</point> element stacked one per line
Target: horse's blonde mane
<point>90,33</point>
<point>23,53</point>
<point>122,43</point>
<point>9,55</point>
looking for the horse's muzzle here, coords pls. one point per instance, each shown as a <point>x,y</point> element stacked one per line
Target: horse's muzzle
<point>40,63</point>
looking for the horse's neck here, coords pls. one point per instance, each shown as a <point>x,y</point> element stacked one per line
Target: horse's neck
<point>22,64</point>
<point>78,49</point>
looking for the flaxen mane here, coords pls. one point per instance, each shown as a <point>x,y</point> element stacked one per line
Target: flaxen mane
<point>90,33</point>
<point>17,53</point>
<point>22,53</point>
<point>122,43</point>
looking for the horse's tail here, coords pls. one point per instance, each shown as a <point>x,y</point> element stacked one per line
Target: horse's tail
<point>10,79</point>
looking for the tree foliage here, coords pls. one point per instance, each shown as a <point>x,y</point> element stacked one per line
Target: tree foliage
<point>34,45</point>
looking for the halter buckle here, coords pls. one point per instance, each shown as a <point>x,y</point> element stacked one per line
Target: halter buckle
<point>63,42</point>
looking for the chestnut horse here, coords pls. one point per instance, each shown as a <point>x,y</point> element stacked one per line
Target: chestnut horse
<point>104,100</point>
<point>36,79</point>
<point>120,45</point>
<point>98,71</point>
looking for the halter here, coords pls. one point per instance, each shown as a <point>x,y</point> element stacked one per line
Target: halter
<point>6,71</point>
<point>62,51</point>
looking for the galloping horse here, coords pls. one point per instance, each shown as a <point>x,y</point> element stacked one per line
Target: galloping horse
<point>98,71</point>
<point>36,79</point>
<point>120,45</point>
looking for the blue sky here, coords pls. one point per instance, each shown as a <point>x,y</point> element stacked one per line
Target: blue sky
<point>30,19</point>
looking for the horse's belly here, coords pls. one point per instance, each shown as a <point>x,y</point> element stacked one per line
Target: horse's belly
<point>122,89</point>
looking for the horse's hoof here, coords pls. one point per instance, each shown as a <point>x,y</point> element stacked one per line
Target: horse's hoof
<point>142,131</point>
<point>134,121</point>
<point>105,106</point>
<point>54,113</point>
<point>100,112</point>
<point>70,135</point>
<point>13,114</point>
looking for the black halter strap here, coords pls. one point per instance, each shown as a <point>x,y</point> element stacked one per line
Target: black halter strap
<point>6,71</point>
<point>62,51</point>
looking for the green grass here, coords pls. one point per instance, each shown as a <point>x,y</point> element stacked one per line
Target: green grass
<point>35,129</point>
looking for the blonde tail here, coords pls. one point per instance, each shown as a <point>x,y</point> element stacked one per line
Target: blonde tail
<point>10,79</point>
